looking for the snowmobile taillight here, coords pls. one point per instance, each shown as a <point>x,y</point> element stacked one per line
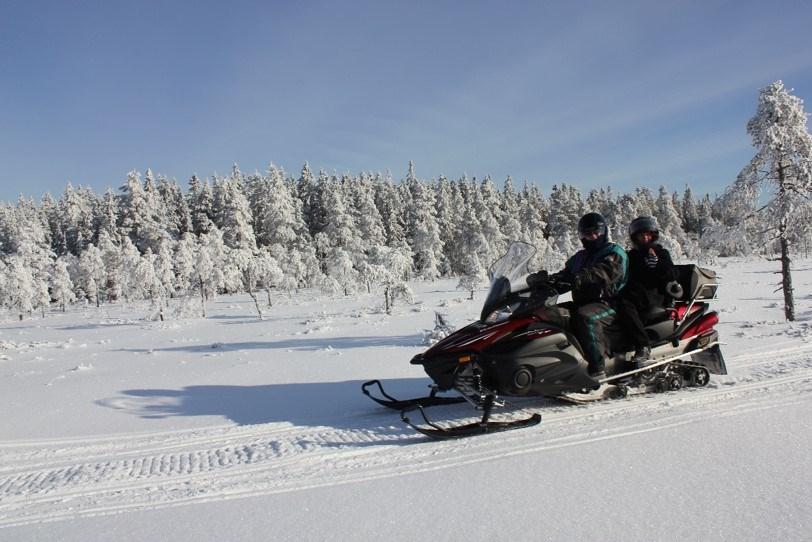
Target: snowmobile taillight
<point>705,339</point>
<point>465,359</point>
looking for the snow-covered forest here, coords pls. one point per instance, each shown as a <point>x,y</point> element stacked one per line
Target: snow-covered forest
<point>274,232</point>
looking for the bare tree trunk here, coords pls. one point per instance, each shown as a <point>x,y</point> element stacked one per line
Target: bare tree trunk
<point>248,278</point>
<point>786,276</point>
<point>256,303</point>
<point>387,304</point>
<point>786,281</point>
<point>203,298</point>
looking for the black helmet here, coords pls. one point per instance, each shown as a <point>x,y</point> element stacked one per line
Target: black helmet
<point>641,224</point>
<point>590,223</point>
<point>593,223</point>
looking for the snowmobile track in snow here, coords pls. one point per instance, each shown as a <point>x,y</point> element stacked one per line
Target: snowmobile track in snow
<point>59,479</point>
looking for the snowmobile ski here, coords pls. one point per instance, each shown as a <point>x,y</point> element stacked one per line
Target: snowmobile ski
<point>482,427</point>
<point>400,404</point>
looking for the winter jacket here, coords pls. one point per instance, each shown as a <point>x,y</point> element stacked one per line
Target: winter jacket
<point>595,276</point>
<point>646,285</point>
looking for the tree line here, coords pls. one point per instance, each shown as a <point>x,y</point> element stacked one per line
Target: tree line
<point>273,232</point>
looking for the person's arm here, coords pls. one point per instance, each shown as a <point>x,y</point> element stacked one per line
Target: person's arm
<point>665,269</point>
<point>606,274</point>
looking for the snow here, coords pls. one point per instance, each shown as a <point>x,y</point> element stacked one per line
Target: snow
<point>235,428</point>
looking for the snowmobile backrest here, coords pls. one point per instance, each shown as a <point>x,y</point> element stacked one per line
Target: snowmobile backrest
<point>699,283</point>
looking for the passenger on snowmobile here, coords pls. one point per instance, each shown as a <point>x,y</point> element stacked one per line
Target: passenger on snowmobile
<point>595,274</point>
<point>652,277</point>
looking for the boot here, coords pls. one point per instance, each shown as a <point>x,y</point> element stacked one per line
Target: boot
<point>641,357</point>
<point>597,373</point>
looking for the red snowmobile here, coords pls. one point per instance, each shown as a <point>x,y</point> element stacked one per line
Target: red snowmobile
<point>522,346</point>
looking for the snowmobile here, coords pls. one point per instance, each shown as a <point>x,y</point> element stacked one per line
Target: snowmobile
<point>522,346</point>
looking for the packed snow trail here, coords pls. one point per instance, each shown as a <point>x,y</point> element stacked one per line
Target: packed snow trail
<point>66,478</point>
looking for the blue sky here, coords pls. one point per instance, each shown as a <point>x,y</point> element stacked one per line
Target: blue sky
<point>588,93</point>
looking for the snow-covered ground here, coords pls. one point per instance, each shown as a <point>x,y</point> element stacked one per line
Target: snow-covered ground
<point>232,428</point>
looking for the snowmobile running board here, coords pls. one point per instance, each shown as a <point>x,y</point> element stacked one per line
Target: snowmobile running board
<point>611,388</point>
<point>397,404</point>
<point>482,427</point>
<point>656,363</point>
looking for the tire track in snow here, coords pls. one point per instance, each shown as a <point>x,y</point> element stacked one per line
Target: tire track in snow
<point>260,460</point>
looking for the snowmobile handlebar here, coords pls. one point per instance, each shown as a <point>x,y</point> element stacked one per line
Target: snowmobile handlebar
<point>542,279</point>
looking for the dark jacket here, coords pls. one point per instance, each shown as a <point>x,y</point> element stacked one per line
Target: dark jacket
<point>646,285</point>
<point>595,276</point>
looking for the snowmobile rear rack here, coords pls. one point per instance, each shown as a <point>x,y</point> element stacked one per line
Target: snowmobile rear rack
<point>482,427</point>
<point>401,404</point>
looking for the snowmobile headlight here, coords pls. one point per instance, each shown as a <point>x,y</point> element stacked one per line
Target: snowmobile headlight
<point>499,315</point>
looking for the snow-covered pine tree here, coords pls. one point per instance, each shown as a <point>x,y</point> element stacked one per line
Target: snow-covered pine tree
<point>308,194</point>
<point>626,212</point>
<point>531,215</point>
<point>427,247</point>
<point>690,214</point>
<point>672,236</point>
<point>184,264</point>
<point>366,216</point>
<point>565,210</point>
<point>779,176</point>
<point>178,218</point>
<point>510,224</point>
<point>20,286</point>
<point>233,214</point>
<point>106,217</point>
<point>390,267</point>
<point>210,266</point>
<point>391,208</point>
<point>473,274</point>
<point>139,216</point>
<point>130,258</point>
<point>111,256</point>
<point>269,274</point>
<point>164,266</point>
<point>61,284</point>
<point>277,216</point>
<point>149,284</point>
<point>76,213</point>
<point>340,230</point>
<point>92,273</point>
<point>448,215</point>
<point>487,204</point>
<point>473,248</point>
<point>199,199</point>
<point>341,272</point>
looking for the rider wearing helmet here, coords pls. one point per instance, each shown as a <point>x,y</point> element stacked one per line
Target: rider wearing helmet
<point>595,274</point>
<point>650,272</point>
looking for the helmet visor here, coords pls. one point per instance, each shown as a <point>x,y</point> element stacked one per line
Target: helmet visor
<point>592,231</point>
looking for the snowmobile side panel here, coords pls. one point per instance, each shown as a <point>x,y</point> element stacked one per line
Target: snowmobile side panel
<point>702,325</point>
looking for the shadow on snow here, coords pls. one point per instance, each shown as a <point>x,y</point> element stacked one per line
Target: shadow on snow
<point>304,344</point>
<point>340,405</point>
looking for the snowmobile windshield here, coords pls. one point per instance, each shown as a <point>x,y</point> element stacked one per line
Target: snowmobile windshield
<point>507,274</point>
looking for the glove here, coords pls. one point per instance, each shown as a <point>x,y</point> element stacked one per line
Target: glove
<point>674,289</point>
<point>651,259</point>
<point>534,280</point>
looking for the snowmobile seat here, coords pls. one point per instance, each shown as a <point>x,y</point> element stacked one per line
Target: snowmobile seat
<point>698,283</point>
<point>655,315</point>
